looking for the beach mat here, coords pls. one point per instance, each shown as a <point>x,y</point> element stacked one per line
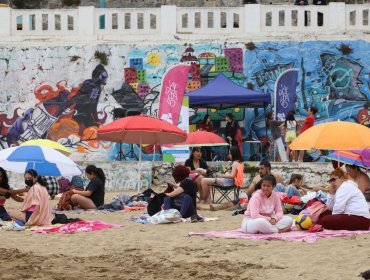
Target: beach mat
<point>294,235</point>
<point>81,226</point>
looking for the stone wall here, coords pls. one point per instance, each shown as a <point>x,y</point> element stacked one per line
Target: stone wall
<point>122,176</point>
<point>314,173</point>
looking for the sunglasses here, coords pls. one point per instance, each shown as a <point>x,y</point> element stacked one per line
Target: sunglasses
<point>332,180</point>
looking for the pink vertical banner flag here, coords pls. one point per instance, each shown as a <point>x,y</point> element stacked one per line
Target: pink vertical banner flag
<point>172,92</point>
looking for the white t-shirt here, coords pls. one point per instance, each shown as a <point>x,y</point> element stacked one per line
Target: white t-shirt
<point>291,125</point>
<point>349,200</point>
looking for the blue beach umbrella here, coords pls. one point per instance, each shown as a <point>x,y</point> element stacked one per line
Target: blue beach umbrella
<point>46,161</point>
<point>348,157</point>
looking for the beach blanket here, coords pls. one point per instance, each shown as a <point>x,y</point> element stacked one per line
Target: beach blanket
<point>294,235</point>
<point>82,226</point>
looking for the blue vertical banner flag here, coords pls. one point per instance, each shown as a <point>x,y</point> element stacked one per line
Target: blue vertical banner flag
<point>285,92</point>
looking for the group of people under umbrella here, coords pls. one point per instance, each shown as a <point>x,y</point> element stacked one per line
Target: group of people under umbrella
<point>149,130</point>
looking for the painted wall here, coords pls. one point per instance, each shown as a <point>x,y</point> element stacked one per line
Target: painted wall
<point>63,92</point>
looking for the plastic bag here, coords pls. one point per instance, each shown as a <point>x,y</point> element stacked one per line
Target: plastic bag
<point>243,199</point>
<point>166,217</point>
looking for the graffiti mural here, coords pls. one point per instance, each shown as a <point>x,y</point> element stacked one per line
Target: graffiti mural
<point>65,93</point>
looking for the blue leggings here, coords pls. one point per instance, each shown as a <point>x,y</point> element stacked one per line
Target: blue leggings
<point>3,214</point>
<point>28,215</point>
<point>186,209</point>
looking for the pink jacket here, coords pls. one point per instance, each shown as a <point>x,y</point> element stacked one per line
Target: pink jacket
<point>38,195</point>
<point>261,206</point>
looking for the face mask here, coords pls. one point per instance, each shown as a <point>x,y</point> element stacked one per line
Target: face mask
<point>29,182</point>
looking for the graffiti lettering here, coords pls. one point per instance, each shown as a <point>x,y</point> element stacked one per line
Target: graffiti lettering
<point>271,73</point>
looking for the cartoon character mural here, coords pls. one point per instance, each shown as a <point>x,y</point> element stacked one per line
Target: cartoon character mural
<point>87,98</point>
<point>36,122</point>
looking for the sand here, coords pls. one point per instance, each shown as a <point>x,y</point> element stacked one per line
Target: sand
<point>137,251</point>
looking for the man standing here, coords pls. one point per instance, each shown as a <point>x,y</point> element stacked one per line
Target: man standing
<point>265,169</point>
<point>307,123</point>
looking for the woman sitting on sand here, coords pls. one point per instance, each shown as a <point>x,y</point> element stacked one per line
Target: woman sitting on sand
<point>198,168</point>
<point>36,210</point>
<point>93,196</point>
<point>183,198</point>
<point>223,180</point>
<point>265,213</point>
<point>347,206</point>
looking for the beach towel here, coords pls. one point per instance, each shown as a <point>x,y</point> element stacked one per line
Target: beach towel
<point>134,208</point>
<point>82,226</point>
<point>294,235</point>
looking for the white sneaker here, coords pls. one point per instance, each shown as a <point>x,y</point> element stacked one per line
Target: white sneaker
<point>14,227</point>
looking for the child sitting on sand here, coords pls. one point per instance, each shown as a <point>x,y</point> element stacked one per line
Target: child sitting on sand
<point>265,213</point>
<point>295,186</point>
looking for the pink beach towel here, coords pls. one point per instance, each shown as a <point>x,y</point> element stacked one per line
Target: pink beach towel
<point>81,226</point>
<point>294,235</point>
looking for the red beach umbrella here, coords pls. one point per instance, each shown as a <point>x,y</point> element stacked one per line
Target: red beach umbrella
<point>140,130</point>
<point>203,138</point>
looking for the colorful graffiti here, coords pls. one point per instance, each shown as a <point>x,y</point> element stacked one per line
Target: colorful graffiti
<point>45,92</point>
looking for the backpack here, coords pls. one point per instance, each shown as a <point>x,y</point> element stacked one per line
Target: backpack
<point>64,184</point>
<point>65,202</point>
<point>239,177</point>
<point>156,202</point>
<point>314,211</point>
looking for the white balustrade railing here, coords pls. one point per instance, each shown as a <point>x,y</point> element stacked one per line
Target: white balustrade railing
<point>209,20</point>
<point>44,22</point>
<point>357,17</point>
<point>167,21</point>
<point>127,21</point>
<point>295,18</point>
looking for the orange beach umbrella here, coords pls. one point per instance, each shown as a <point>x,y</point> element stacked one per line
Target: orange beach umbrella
<point>335,135</point>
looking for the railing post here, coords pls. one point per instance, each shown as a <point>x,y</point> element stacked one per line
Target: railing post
<point>252,18</point>
<point>168,20</point>
<point>86,21</point>
<point>337,17</point>
<point>5,21</point>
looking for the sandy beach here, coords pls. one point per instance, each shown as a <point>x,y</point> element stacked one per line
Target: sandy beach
<point>137,251</point>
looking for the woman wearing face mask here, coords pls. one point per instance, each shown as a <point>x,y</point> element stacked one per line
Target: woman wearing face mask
<point>265,213</point>
<point>347,206</point>
<point>36,210</point>
<point>93,196</point>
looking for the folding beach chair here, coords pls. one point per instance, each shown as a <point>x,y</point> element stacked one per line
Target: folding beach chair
<point>234,190</point>
<point>225,193</point>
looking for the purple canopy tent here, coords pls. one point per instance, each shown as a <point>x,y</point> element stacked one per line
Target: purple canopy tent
<point>223,93</point>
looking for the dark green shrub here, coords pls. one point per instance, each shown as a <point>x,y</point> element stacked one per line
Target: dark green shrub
<point>19,4</point>
<point>71,2</point>
<point>102,57</point>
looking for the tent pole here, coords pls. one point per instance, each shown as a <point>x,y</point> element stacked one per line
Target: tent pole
<point>264,110</point>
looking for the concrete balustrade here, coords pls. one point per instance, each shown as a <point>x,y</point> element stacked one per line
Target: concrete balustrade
<point>128,24</point>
